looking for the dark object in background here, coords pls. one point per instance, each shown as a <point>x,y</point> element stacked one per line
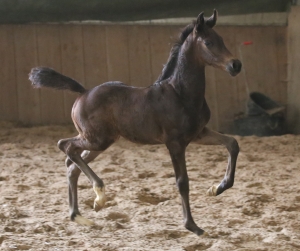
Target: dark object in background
<point>260,104</point>
<point>264,117</point>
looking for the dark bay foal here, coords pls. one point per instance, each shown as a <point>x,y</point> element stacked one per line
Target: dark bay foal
<point>173,111</point>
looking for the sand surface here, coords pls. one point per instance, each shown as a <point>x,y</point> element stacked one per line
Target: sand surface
<point>143,212</point>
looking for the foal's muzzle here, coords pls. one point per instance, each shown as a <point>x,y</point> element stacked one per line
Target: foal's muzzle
<point>234,67</point>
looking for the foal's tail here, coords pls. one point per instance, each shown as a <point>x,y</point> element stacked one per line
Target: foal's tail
<point>47,77</point>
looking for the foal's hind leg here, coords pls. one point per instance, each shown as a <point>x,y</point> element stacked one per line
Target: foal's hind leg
<point>73,175</point>
<point>72,148</point>
<point>209,137</point>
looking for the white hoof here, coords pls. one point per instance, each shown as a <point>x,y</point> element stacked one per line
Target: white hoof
<point>100,200</point>
<point>83,221</point>
<point>212,191</point>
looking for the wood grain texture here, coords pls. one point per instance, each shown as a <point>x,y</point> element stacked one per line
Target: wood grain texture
<point>29,105</point>
<point>139,56</point>
<point>281,53</point>
<point>293,88</point>
<point>94,52</point>
<point>117,53</point>
<point>160,45</point>
<point>8,94</point>
<point>72,61</point>
<point>49,55</point>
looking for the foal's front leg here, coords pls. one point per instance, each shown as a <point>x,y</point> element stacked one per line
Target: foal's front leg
<point>177,152</point>
<point>209,137</point>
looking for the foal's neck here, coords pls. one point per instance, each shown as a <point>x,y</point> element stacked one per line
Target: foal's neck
<point>189,77</point>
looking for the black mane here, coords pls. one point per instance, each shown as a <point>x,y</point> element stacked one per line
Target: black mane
<point>172,60</point>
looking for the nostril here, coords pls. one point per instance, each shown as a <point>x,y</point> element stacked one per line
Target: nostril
<point>236,65</point>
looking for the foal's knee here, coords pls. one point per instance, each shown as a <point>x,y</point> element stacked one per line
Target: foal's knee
<point>183,184</point>
<point>68,147</point>
<point>62,145</point>
<point>233,147</point>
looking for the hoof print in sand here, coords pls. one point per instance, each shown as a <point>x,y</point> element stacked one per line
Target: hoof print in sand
<point>9,229</point>
<point>146,175</point>
<point>151,198</point>
<point>108,170</point>
<point>42,228</point>
<point>255,184</point>
<point>168,175</point>
<point>168,234</point>
<point>197,247</point>
<point>2,238</point>
<point>84,186</point>
<point>118,217</point>
<point>23,187</point>
<point>251,210</point>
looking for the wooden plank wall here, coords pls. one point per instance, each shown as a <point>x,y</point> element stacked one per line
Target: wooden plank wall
<point>293,115</point>
<point>134,54</point>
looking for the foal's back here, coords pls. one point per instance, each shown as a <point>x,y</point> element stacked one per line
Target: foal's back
<point>115,109</point>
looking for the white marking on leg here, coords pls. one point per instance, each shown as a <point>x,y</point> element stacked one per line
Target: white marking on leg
<point>212,191</point>
<point>83,221</point>
<point>100,199</point>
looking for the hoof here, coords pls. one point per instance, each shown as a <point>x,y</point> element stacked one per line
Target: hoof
<point>100,200</point>
<point>83,221</point>
<point>200,232</point>
<point>212,191</point>
<point>195,229</point>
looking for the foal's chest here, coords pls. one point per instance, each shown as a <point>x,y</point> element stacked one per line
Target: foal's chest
<point>196,119</point>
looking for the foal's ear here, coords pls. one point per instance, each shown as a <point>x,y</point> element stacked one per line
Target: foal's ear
<point>211,21</point>
<point>200,21</point>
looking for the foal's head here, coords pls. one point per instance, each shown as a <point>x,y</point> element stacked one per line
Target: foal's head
<point>210,48</point>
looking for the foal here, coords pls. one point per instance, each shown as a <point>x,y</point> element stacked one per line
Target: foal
<point>173,111</point>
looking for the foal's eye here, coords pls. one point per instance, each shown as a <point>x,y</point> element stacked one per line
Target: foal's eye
<point>208,43</point>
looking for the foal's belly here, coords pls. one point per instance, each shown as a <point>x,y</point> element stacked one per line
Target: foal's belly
<point>141,132</point>
<point>141,140</point>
